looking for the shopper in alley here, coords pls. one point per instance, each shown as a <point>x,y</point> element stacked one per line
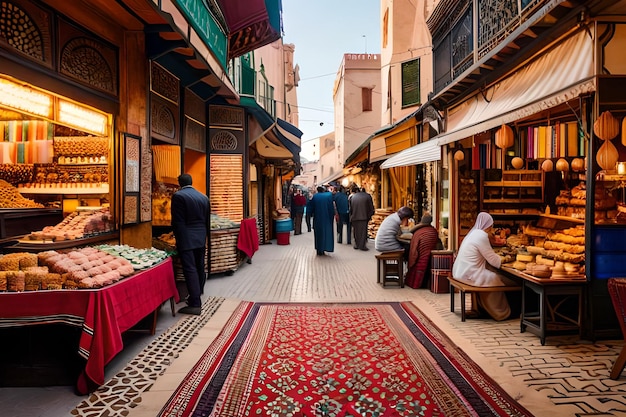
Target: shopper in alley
<point>361,208</point>
<point>342,215</point>
<point>190,222</point>
<point>322,209</point>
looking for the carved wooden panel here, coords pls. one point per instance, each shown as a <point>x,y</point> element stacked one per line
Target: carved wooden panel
<point>194,107</point>
<point>26,29</point>
<point>195,135</point>
<point>87,59</point>
<point>163,120</point>
<point>164,83</point>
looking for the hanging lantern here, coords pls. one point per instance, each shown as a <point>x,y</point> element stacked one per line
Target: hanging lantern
<point>578,164</point>
<point>606,127</point>
<point>607,155</point>
<point>562,165</point>
<point>459,155</point>
<point>517,162</point>
<point>547,165</point>
<point>504,137</point>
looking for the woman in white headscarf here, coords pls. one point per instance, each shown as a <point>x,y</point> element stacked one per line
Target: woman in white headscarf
<point>472,266</point>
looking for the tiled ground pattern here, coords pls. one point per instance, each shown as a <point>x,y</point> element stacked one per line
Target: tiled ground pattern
<point>123,391</point>
<point>573,374</point>
<point>566,377</point>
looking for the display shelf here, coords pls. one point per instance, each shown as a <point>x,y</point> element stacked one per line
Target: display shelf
<point>512,188</point>
<point>40,245</point>
<point>100,189</point>
<point>564,218</point>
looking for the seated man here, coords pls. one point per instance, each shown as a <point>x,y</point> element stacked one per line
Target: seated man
<point>390,229</point>
<point>425,239</point>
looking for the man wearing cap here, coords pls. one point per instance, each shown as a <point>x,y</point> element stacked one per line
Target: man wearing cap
<point>425,239</point>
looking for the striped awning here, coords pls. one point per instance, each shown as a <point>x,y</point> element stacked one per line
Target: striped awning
<point>421,153</point>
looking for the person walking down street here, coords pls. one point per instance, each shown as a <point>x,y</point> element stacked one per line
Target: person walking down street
<point>474,265</point>
<point>298,202</point>
<point>190,223</point>
<point>323,212</point>
<point>361,209</point>
<point>307,212</point>
<point>425,239</point>
<point>390,229</point>
<point>342,213</point>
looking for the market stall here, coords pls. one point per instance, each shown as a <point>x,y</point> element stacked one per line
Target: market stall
<point>103,313</point>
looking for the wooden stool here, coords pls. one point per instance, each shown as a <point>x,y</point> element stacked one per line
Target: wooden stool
<point>390,267</point>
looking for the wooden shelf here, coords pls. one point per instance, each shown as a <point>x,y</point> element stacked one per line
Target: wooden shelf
<point>515,189</point>
<point>513,200</point>
<point>513,184</point>
<point>564,218</point>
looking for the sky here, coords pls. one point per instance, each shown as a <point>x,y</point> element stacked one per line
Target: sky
<point>322,31</point>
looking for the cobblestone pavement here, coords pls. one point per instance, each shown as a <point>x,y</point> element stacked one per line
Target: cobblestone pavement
<point>566,377</point>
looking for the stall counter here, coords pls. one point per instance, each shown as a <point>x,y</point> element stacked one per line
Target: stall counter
<point>103,314</point>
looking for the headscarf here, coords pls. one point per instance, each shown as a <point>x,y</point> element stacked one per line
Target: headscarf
<point>483,221</point>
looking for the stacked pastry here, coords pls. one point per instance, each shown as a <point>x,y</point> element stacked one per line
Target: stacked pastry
<point>14,268</point>
<point>565,248</point>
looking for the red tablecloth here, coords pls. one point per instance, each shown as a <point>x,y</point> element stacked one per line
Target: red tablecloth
<point>104,314</point>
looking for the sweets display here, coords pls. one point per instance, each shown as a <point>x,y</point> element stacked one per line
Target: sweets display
<point>11,198</point>
<point>88,267</point>
<point>76,225</point>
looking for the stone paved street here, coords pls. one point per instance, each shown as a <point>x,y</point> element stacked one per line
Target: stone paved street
<point>566,377</point>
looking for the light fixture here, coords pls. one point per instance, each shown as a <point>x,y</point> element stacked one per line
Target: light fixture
<point>82,117</point>
<point>459,155</point>
<point>24,98</point>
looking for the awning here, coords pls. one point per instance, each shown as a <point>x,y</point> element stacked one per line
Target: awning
<point>251,24</point>
<point>377,142</point>
<point>563,73</point>
<point>277,132</point>
<point>421,153</point>
<point>332,178</point>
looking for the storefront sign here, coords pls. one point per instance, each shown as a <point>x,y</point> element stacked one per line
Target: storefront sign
<point>204,23</point>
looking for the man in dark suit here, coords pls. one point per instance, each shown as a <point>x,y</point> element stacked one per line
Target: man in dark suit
<point>190,221</point>
<point>361,211</point>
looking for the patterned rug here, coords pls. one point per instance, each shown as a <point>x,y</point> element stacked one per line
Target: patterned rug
<point>336,360</point>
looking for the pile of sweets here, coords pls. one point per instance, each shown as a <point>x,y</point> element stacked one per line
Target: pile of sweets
<point>138,258</point>
<point>86,267</point>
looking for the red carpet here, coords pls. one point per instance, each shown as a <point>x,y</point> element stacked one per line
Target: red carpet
<point>364,359</point>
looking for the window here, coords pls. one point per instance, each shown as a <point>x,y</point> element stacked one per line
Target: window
<point>411,83</point>
<point>366,98</point>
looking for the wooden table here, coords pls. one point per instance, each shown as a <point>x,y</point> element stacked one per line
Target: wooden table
<point>103,314</point>
<point>553,294</point>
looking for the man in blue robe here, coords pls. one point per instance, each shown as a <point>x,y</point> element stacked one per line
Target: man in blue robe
<point>322,210</point>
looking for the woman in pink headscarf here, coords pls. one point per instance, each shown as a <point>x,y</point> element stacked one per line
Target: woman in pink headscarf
<point>472,265</point>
